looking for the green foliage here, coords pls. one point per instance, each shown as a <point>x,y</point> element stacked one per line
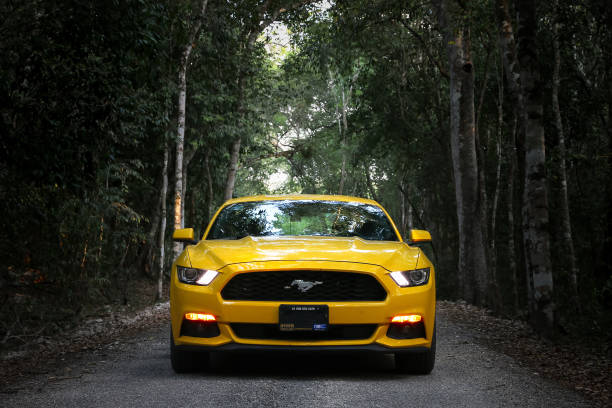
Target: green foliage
<point>390,54</point>
<point>82,113</point>
<point>87,105</point>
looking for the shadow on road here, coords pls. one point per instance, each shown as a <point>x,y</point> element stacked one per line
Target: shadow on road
<point>301,365</point>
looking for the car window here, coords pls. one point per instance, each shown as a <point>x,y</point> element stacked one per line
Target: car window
<point>302,218</point>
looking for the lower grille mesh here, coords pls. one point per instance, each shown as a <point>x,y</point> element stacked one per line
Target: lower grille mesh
<point>304,286</point>
<point>272,332</point>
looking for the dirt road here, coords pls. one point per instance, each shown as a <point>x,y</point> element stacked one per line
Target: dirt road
<point>136,372</point>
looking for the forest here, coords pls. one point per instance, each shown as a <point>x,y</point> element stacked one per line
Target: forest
<point>487,123</point>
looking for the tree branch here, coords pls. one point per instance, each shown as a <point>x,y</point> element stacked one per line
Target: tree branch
<point>195,31</point>
<point>483,89</point>
<point>283,153</point>
<point>426,49</point>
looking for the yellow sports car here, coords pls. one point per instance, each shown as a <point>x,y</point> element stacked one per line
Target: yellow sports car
<point>302,272</point>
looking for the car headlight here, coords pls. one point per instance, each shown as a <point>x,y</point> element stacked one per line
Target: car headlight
<point>415,277</point>
<point>194,276</point>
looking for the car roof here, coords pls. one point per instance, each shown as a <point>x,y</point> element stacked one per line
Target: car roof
<point>313,197</point>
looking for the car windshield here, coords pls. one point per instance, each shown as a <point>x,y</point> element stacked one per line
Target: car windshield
<point>302,218</point>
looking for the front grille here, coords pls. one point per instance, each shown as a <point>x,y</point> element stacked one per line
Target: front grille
<point>304,286</point>
<point>272,332</point>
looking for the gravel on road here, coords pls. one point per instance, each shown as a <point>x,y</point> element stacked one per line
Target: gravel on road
<point>135,372</point>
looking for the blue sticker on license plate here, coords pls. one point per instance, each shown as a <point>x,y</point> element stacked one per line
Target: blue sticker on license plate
<point>319,327</point>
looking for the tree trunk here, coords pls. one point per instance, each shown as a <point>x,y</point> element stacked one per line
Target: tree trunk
<point>492,291</point>
<point>371,188</point>
<point>162,230</point>
<point>210,186</point>
<point>233,169</point>
<point>186,160</point>
<point>509,58</point>
<point>493,237</point>
<point>472,254</point>
<point>180,138</point>
<point>500,125</point>
<point>535,201</point>
<point>510,198</point>
<point>146,256</point>
<point>148,251</point>
<point>409,219</point>
<point>343,143</point>
<point>607,247</point>
<point>180,145</point>
<point>566,226</point>
<point>512,74</point>
<point>235,151</point>
<point>407,209</point>
<point>402,210</point>
<point>183,193</point>
<point>496,299</point>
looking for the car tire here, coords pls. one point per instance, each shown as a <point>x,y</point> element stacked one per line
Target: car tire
<point>184,361</point>
<point>417,363</point>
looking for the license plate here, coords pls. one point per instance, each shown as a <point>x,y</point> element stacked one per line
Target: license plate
<point>303,317</point>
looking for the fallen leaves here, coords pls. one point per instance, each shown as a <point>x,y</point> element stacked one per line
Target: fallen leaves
<point>91,335</point>
<point>586,369</point>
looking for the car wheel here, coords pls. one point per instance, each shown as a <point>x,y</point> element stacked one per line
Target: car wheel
<point>417,363</point>
<point>187,361</point>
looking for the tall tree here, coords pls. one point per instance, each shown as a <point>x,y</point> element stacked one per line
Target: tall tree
<point>162,230</point>
<point>180,137</point>
<point>561,168</point>
<point>472,252</point>
<point>535,200</point>
<point>507,45</point>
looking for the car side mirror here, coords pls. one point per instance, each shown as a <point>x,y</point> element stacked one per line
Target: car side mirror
<point>184,235</point>
<point>419,236</point>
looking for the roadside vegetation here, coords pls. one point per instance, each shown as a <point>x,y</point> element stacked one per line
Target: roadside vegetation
<point>487,123</point>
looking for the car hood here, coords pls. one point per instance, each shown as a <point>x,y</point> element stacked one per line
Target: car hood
<point>216,254</point>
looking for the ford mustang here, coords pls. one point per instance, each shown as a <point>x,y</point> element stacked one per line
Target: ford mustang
<point>302,272</point>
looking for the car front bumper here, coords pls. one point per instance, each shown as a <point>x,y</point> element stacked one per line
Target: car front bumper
<point>207,299</point>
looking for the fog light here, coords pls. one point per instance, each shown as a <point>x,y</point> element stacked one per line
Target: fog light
<point>403,319</point>
<point>406,327</point>
<point>200,317</point>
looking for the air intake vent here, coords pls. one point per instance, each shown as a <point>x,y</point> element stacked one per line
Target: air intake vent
<point>335,332</point>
